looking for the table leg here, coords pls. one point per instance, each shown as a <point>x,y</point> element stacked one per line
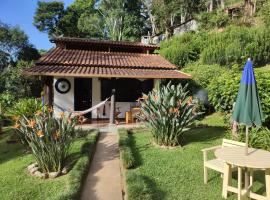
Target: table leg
<point>226,179</point>
<point>267,183</point>
<point>239,191</point>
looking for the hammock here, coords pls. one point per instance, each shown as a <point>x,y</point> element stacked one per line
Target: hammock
<point>83,112</point>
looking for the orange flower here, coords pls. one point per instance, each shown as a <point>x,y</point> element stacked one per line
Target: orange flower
<point>16,126</point>
<point>40,133</point>
<point>189,100</point>
<point>56,135</point>
<point>32,123</point>
<point>50,109</point>
<point>62,115</point>
<point>155,97</point>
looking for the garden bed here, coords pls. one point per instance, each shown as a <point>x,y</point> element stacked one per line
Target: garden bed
<point>16,182</point>
<point>176,173</point>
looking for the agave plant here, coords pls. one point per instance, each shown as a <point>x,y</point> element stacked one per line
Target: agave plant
<point>48,137</point>
<point>168,111</point>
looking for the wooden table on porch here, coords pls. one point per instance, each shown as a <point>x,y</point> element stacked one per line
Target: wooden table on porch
<point>256,159</point>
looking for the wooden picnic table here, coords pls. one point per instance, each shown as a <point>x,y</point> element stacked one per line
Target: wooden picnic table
<point>256,159</point>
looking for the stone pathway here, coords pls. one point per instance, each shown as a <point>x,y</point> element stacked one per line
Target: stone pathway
<point>104,180</point>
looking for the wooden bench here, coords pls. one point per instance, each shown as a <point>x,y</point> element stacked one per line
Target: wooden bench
<point>217,164</point>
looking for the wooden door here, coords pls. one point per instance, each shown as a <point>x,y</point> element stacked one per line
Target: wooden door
<point>83,95</point>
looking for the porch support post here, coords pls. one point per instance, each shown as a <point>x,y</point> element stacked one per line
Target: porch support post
<point>112,111</point>
<point>48,93</point>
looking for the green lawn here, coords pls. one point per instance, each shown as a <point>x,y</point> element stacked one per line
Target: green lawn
<point>175,174</point>
<point>17,184</point>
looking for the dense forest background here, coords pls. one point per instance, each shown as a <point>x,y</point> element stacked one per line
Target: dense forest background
<point>230,31</point>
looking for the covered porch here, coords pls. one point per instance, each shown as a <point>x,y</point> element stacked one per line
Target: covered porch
<point>81,73</point>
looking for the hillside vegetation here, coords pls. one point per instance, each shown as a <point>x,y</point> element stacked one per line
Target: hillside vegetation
<point>215,57</point>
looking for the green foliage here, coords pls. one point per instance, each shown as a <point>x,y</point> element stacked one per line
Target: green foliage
<point>48,15</point>
<point>117,19</point>
<point>235,45</point>
<point>6,101</point>
<point>49,138</point>
<point>203,74</point>
<point>181,50</point>
<point>21,86</point>
<point>258,137</point>
<point>223,91</point>
<point>231,46</point>
<point>265,13</point>
<point>211,20</point>
<point>168,111</point>
<point>126,154</point>
<point>25,107</point>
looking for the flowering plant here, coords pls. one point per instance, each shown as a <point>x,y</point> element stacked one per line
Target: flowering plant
<point>168,111</point>
<point>48,137</point>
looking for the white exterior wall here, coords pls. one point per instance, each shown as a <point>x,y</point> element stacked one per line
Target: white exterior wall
<point>65,101</point>
<point>96,97</point>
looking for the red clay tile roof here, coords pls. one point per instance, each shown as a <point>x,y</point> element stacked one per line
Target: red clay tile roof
<point>59,56</point>
<point>84,71</point>
<point>102,42</point>
<point>61,61</point>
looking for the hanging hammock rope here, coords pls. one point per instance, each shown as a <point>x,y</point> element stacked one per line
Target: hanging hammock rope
<point>83,112</point>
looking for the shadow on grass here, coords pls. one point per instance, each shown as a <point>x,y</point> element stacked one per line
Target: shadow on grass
<point>142,187</point>
<point>205,134</point>
<point>135,149</point>
<point>10,150</point>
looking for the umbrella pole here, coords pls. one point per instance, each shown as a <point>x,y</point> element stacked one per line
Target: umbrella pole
<point>246,149</point>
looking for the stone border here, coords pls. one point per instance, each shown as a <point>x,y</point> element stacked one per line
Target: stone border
<point>33,169</point>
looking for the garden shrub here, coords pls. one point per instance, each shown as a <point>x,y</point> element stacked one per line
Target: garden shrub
<point>231,46</point>
<point>126,153</point>
<point>223,91</point>
<point>168,111</point>
<point>48,137</point>
<point>259,137</point>
<point>235,45</point>
<point>27,107</point>
<point>181,50</point>
<point>203,74</point>
<point>211,20</point>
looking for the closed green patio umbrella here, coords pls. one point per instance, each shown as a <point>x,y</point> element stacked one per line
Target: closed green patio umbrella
<point>247,109</point>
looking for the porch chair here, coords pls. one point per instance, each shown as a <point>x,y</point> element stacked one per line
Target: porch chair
<point>217,164</point>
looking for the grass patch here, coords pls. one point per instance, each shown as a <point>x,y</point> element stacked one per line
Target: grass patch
<point>126,154</point>
<point>16,182</point>
<point>177,173</point>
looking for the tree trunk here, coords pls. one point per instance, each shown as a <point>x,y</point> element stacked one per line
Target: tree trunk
<point>222,4</point>
<point>211,6</point>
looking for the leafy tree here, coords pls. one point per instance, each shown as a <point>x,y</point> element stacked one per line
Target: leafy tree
<point>54,19</point>
<point>14,45</point>
<point>48,15</point>
<point>12,40</point>
<point>18,84</point>
<point>122,18</point>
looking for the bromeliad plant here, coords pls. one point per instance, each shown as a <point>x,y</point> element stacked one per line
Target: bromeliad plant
<point>168,111</point>
<point>48,137</point>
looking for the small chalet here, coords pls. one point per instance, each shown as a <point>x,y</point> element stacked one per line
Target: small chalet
<point>81,73</point>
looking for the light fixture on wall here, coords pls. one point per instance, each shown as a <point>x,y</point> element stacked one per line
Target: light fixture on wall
<point>62,85</point>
